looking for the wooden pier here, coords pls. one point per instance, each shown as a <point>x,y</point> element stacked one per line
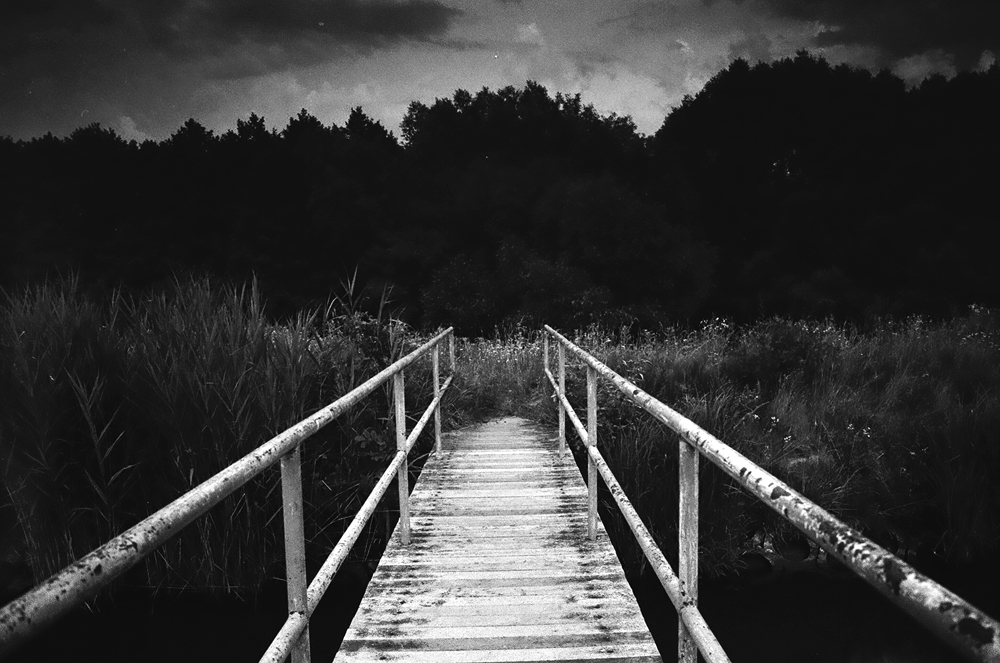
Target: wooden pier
<point>499,567</point>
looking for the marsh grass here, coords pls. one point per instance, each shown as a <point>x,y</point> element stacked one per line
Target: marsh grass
<point>497,377</point>
<point>110,410</point>
<point>896,430</point>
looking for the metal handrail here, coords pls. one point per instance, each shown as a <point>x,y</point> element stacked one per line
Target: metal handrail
<point>970,631</point>
<point>80,581</point>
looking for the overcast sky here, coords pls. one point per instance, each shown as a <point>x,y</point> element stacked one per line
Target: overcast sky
<point>142,67</point>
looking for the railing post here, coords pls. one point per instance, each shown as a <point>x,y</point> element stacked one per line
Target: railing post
<point>591,442</point>
<point>435,371</point>
<point>451,350</point>
<point>687,566</point>
<point>545,351</point>
<point>297,583</point>
<point>403,476</point>
<point>561,352</point>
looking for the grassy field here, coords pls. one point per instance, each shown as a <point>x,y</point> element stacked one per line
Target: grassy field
<point>108,410</point>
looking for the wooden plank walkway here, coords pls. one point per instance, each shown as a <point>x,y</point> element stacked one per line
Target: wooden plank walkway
<point>499,567</point>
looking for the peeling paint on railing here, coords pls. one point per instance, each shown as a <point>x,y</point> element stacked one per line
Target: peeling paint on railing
<point>295,625</point>
<point>81,580</point>
<point>969,630</point>
<point>581,430</point>
<point>685,605</point>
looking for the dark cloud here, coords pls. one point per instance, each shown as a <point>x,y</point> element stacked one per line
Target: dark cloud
<point>72,12</point>
<point>67,62</point>
<point>365,24</point>
<point>59,39</point>
<point>753,48</point>
<point>697,19</point>
<point>903,28</point>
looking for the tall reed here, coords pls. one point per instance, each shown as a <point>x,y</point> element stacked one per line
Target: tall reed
<point>895,429</point>
<point>110,410</point>
<point>497,376</point>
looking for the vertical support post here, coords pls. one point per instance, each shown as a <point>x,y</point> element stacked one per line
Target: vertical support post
<point>687,566</point>
<point>545,351</point>
<point>451,350</point>
<point>403,476</point>
<point>561,351</point>
<point>296,581</point>
<point>436,373</point>
<point>591,442</point>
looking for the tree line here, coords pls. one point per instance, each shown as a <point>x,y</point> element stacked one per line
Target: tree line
<point>793,188</point>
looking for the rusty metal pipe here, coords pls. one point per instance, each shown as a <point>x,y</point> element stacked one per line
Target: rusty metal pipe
<point>691,618</point>
<point>296,580</point>
<point>296,624</point>
<point>685,605</point>
<point>687,541</point>
<point>951,618</point>
<point>591,444</point>
<point>436,376</point>
<point>320,583</point>
<point>561,392</point>
<point>81,580</point>
<point>581,430</point>
<point>418,428</point>
<point>402,475</point>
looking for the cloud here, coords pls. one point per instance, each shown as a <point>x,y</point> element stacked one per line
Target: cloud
<point>616,88</point>
<point>609,83</point>
<point>63,39</point>
<point>901,29</point>
<point>986,60</point>
<point>681,44</point>
<point>918,67</point>
<point>752,47</point>
<point>530,34</point>
<point>160,60</point>
<point>128,130</point>
<point>370,24</point>
<point>705,19</point>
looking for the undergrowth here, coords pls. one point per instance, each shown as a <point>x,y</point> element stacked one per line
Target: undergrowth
<point>894,429</point>
<point>110,410</point>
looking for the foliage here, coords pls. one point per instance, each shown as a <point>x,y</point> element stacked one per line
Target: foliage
<point>828,190</point>
<point>110,410</point>
<point>497,376</point>
<point>894,430</point>
<point>792,188</point>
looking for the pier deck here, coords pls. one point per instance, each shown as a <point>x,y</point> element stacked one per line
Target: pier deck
<point>499,567</point>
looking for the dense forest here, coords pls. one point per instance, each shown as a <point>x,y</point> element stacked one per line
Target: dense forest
<point>794,188</point>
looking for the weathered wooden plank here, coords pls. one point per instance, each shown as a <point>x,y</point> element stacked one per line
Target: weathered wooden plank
<point>411,636</point>
<point>424,542</point>
<point>499,567</point>
<point>507,492</point>
<point>538,612</point>
<point>619,653</point>
<point>459,561</point>
<point>495,603</point>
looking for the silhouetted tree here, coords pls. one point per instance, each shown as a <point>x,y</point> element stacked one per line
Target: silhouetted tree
<point>790,187</point>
